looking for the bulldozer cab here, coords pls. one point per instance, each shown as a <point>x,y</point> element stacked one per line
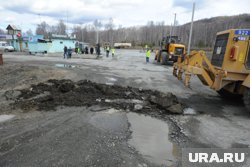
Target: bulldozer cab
<point>170,50</point>
<point>172,45</point>
<point>231,51</point>
<point>170,39</point>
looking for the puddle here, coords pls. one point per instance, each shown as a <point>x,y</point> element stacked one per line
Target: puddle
<point>108,83</point>
<point>111,111</point>
<point>189,111</point>
<point>65,65</point>
<point>111,120</point>
<point>150,138</point>
<point>134,101</point>
<point>111,79</point>
<point>138,81</point>
<point>4,118</point>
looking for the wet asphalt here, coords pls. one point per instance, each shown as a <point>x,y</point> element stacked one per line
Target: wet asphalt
<point>80,137</point>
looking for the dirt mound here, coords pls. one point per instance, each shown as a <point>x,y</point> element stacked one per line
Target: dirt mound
<point>47,96</point>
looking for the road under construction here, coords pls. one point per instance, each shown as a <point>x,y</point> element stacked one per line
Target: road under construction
<point>109,111</point>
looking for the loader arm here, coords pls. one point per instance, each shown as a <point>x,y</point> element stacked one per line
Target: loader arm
<point>197,63</point>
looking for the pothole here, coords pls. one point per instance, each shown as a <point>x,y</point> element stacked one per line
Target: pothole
<point>111,79</point>
<point>150,139</point>
<point>111,120</point>
<point>124,101</point>
<point>109,83</point>
<point>189,111</point>
<point>65,65</point>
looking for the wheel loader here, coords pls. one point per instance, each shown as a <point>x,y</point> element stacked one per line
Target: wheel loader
<point>228,71</point>
<point>170,49</point>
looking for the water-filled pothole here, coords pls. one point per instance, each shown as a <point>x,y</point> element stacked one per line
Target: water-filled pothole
<point>150,138</point>
<point>65,65</point>
<point>189,111</point>
<point>110,80</point>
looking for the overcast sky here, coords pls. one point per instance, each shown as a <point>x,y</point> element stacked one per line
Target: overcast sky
<point>28,13</point>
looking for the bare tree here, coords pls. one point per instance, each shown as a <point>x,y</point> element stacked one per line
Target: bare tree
<point>109,28</point>
<point>61,28</point>
<point>2,31</point>
<point>29,32</point>
<point>53,30</point>
<point>77,31</point>
<point>43,29</point>
<point>204,31</point>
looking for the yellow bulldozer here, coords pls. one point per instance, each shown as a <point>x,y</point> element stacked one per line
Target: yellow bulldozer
<point>228,71</point>
<point>170,50</point>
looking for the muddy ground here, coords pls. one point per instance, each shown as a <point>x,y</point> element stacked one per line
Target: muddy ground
<point>53,93</point>
<point>108,112</point>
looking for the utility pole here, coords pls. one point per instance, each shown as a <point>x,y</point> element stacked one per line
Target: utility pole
<point>81,32</point>
<point>174,24</point>
<point>191,30</point>
<point>97,35</point>
<point>97,25</point>
<point>67,23</point>
<point>170,33</point>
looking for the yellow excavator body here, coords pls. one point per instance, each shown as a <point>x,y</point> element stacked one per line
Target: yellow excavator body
<point>228,71</point>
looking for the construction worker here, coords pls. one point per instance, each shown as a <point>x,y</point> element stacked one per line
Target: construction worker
<point>86,50</point>
<point>107,51</point>
<point>69,52</point>
<point>113,52</point>
<point>78,50</point>
<point>98,51</point>
<point>65,54</point>
<point>91,50</point>
<point>148,52</point>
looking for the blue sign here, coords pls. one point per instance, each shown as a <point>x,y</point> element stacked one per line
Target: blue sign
<point>242,38</point>
<point>242,32</point>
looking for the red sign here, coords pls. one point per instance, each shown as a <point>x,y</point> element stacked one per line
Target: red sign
<point>19,35</point>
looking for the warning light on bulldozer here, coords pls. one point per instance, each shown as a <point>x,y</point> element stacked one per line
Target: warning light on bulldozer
<point>232,53</point>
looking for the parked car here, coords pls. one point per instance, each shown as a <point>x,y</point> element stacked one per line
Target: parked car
<point>6,47</point>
